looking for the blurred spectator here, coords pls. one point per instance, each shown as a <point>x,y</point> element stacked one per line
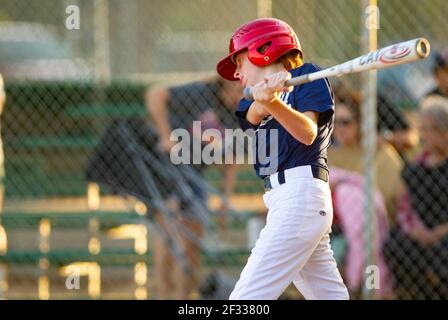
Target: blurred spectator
<point>213,103</point>
<point>346,181</point>
<point>348,195</point>
<point>417,251</point>
<point>440,70</point>
<point>347,154</point>
<point>393,126</point>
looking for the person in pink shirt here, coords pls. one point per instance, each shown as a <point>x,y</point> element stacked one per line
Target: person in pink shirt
<point>348,198</point>
<point>346,182</point>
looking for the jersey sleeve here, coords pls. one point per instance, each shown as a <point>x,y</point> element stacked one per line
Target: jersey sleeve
<point>315,96</point>
<point>241,113</point>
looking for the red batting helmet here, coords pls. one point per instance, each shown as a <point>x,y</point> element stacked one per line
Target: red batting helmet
<point>252,36</point>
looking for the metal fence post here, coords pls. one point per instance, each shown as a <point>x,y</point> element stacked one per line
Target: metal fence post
<point>369,141</point>
<point>101,39</point>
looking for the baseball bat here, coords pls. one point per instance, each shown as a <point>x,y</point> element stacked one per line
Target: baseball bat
<point>393,55</point>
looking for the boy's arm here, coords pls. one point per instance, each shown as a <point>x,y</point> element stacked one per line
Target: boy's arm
<point>302,126</point>
<point>256,113</point>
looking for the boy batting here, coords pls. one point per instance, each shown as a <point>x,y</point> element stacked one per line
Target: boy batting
<point>294,245</point>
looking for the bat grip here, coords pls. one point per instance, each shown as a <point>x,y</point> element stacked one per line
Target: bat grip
<point>291,82</point>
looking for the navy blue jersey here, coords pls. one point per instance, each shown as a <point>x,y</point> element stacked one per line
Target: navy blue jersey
<point>314,96</point>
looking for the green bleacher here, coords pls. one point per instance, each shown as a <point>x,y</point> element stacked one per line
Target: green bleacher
<point>49,131</point>
<point>68,120</point>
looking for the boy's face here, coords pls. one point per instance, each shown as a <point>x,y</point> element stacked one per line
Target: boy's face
<point>248,73</point>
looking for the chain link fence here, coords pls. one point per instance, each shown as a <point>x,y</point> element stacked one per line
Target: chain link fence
<point>93,206</point>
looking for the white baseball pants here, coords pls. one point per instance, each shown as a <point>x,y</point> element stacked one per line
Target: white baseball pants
<point>294,245</point>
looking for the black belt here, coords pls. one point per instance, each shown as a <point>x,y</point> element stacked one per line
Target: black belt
<point>318,173</point>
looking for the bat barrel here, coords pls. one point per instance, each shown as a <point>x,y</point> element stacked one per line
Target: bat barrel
<point>396,54</point>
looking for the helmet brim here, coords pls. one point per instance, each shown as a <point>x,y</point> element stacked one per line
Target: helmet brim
<point>226,68</point>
